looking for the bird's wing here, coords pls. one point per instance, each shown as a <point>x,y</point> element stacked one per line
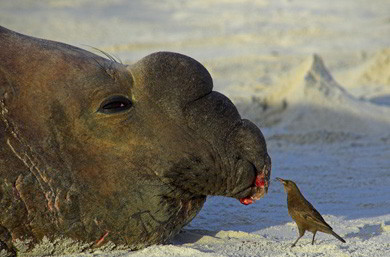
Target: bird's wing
<point>316,218</point>
<point>307,212</point>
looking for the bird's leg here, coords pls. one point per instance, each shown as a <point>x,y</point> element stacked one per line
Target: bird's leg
<point>314,234</point>
<point>301,233</point>
<point>296,240</point>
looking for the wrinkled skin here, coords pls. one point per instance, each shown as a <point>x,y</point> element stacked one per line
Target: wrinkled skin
<point>98,151</point>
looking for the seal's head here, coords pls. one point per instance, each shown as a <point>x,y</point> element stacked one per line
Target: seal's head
<point>99,151</point>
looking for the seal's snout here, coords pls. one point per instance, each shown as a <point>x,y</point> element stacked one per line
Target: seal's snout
<point>260,185</point>
<point>252,146</point>
<point>239,165</point>
<point>174,80</point>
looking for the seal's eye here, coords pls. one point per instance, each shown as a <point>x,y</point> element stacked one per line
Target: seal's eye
<point>115,104</point>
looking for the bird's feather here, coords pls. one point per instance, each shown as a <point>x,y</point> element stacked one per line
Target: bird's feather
<point>302,209</point>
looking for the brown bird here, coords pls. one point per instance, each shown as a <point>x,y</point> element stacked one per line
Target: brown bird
<point>304,214</point>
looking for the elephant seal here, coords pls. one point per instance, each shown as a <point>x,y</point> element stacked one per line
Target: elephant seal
<point>96,151</point>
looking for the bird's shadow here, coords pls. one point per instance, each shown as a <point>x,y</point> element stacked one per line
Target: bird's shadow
<point>367,231</point>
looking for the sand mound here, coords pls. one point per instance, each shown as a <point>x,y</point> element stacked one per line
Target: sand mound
<point>310,99</point>
<point>377,70</point>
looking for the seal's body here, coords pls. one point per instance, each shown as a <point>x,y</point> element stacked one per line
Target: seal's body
<point>97,151</point>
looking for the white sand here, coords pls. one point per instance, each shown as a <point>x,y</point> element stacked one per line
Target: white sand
<point>315,75</point>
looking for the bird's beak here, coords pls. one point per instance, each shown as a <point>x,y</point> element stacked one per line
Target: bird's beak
<point>281,180</point>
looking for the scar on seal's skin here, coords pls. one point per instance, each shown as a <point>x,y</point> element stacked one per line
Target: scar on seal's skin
<point>101,240</point>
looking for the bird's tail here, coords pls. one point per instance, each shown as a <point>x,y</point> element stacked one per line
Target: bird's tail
<point>338,237</point>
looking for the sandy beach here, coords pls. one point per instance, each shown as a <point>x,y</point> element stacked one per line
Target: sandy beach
<point>313,75</point>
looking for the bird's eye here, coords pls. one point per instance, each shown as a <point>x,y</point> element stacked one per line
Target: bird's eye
<point>115,104</point>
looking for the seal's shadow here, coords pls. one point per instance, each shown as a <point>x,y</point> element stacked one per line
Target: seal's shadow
<point>190,236</point>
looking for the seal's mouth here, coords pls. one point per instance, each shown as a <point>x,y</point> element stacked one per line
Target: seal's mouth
<point>259,186</point>
<point>194,177</point>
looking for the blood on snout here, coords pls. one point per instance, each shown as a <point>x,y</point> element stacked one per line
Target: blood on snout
<point>246,200</point>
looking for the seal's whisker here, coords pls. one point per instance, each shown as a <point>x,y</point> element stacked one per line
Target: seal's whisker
<point>109,56</point>
<point>99,64</point>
